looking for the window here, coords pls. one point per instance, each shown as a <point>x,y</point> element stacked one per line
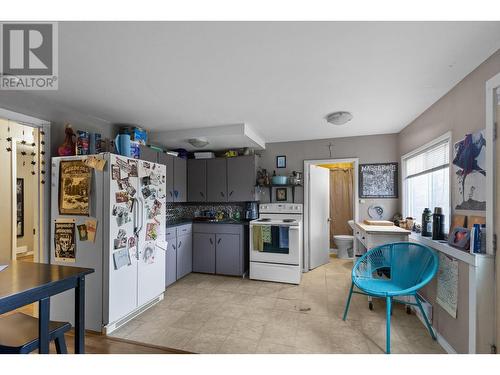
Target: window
<point>426,179</point>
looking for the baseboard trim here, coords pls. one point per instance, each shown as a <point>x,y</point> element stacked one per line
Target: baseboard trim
<point>440,339</point>
<point>138,311</point>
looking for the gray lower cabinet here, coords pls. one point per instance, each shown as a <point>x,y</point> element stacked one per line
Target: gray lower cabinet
<point>220,248</point>
<point>171,262</point>
<point>216,180</point>
<point>204,252</point>
<point>179,255</point>
<point>227,254</point>
<point>184,255</point>
<point>197,180</point>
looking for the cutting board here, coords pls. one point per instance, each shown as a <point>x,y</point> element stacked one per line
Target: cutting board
<point>378,222</point>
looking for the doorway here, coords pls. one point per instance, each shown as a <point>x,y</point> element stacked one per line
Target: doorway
<point>22,187</point>
<point>492,184</point>
<point>327,211</point>
<point>341,203</point>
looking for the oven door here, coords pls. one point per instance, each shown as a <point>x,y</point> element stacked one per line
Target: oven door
<point>275,243</point>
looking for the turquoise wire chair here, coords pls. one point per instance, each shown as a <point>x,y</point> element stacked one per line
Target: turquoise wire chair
<point>391,270</point>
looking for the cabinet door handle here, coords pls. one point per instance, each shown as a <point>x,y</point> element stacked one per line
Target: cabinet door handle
<point>211,242</point>
<point>218,242</point>
<point>171,193</point>
<point>201,193</point>
<point>176,193</point>
<point>173,247</point>
<point>231,193</point>
<point>221,193</point>
<point>180,244</point>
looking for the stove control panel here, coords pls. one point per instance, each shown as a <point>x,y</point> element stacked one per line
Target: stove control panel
<point>281,208</point>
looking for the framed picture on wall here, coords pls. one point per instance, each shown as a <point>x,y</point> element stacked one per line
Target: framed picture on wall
<point>281,195</point>
<point>20,206</point>
<point>378,180</point>
<point>281,161</point>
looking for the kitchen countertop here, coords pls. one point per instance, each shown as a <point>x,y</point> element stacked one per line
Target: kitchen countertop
<point>176,223</point>
<point>382,229</point>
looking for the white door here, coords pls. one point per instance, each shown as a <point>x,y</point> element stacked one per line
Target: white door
<point>152,246</point>
<point>122,277</point>
<point>319,212</point>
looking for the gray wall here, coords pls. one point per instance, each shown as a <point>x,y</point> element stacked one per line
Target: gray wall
<point>369,149</point>
<point>461,111</point>
<point>28,103</point>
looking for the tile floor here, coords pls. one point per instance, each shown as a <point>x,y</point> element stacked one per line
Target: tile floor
<point>218,314</point>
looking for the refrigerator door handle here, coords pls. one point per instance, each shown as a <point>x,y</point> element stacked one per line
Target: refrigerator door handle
<point>134,212</point>
<point>141,216</point>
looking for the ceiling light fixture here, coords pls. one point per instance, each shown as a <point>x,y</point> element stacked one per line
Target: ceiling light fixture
<point>339,118</point>
<point>198,142</point>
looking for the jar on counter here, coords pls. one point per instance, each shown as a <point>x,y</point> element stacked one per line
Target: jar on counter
<point>427,223</point>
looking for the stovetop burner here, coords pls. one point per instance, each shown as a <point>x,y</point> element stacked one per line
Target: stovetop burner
<point>264,219</point>
<point>289,220</point>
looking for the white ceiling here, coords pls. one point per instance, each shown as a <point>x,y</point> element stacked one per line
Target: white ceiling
<point>281,78</point>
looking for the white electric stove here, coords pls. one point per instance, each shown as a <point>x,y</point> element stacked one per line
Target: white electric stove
<point>276,243</point>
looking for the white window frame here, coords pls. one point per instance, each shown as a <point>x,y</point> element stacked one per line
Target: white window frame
<point>446,137</point>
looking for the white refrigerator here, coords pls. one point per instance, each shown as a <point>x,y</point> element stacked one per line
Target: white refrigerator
<point>126,201</point>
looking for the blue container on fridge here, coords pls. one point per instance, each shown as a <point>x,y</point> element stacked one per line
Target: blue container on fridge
<point>122,144</point>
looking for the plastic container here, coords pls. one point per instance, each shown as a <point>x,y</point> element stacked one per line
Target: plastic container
<point>279,180</point>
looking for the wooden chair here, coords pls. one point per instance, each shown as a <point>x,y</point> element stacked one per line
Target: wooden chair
<point>19,334</point>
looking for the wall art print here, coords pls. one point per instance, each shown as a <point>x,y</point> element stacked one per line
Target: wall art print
<point>378,180</point>
<point>64,240</point>
<point>74,187</point>
<point>469,161</point>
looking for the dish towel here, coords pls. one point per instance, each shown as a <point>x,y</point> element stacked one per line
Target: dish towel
<point>258,244</point>
<point>266,234</point>
<point>283,237</point>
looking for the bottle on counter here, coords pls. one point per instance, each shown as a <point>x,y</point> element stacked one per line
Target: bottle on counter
<point>427,223</point>
<point>438,224</point>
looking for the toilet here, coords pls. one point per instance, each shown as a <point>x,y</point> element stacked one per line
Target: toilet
<point>345,243</point>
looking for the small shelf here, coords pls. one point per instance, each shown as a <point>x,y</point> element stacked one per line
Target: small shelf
<point>464,256</point>
<point>271,186</point>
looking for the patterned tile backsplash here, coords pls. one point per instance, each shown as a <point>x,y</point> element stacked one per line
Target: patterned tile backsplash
<point>177,211</point>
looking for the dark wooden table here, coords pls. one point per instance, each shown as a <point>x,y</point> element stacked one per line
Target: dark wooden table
<point>22,283</point>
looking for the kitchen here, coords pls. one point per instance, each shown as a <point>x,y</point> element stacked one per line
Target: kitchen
<point>202,221</point>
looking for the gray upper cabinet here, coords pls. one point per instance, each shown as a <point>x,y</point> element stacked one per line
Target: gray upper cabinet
<point>176,177</point>
<point>180,180</point>
<point>228,254</point>
<point>168,160</point>
<point>197,180</point>
<point>221,179</point>
<point>216,180</point>
<point>204,252</point>
<point>241,173</point>
<point>184,255</point>
<point>148,154</point>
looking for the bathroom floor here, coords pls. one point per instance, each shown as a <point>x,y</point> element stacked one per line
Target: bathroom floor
<point>218,314</point>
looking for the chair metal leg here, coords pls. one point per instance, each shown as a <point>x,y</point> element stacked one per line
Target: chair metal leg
<point>60,342</point>
<point>348,302</point>
<point>388,325</point>
<point>425,317</point>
